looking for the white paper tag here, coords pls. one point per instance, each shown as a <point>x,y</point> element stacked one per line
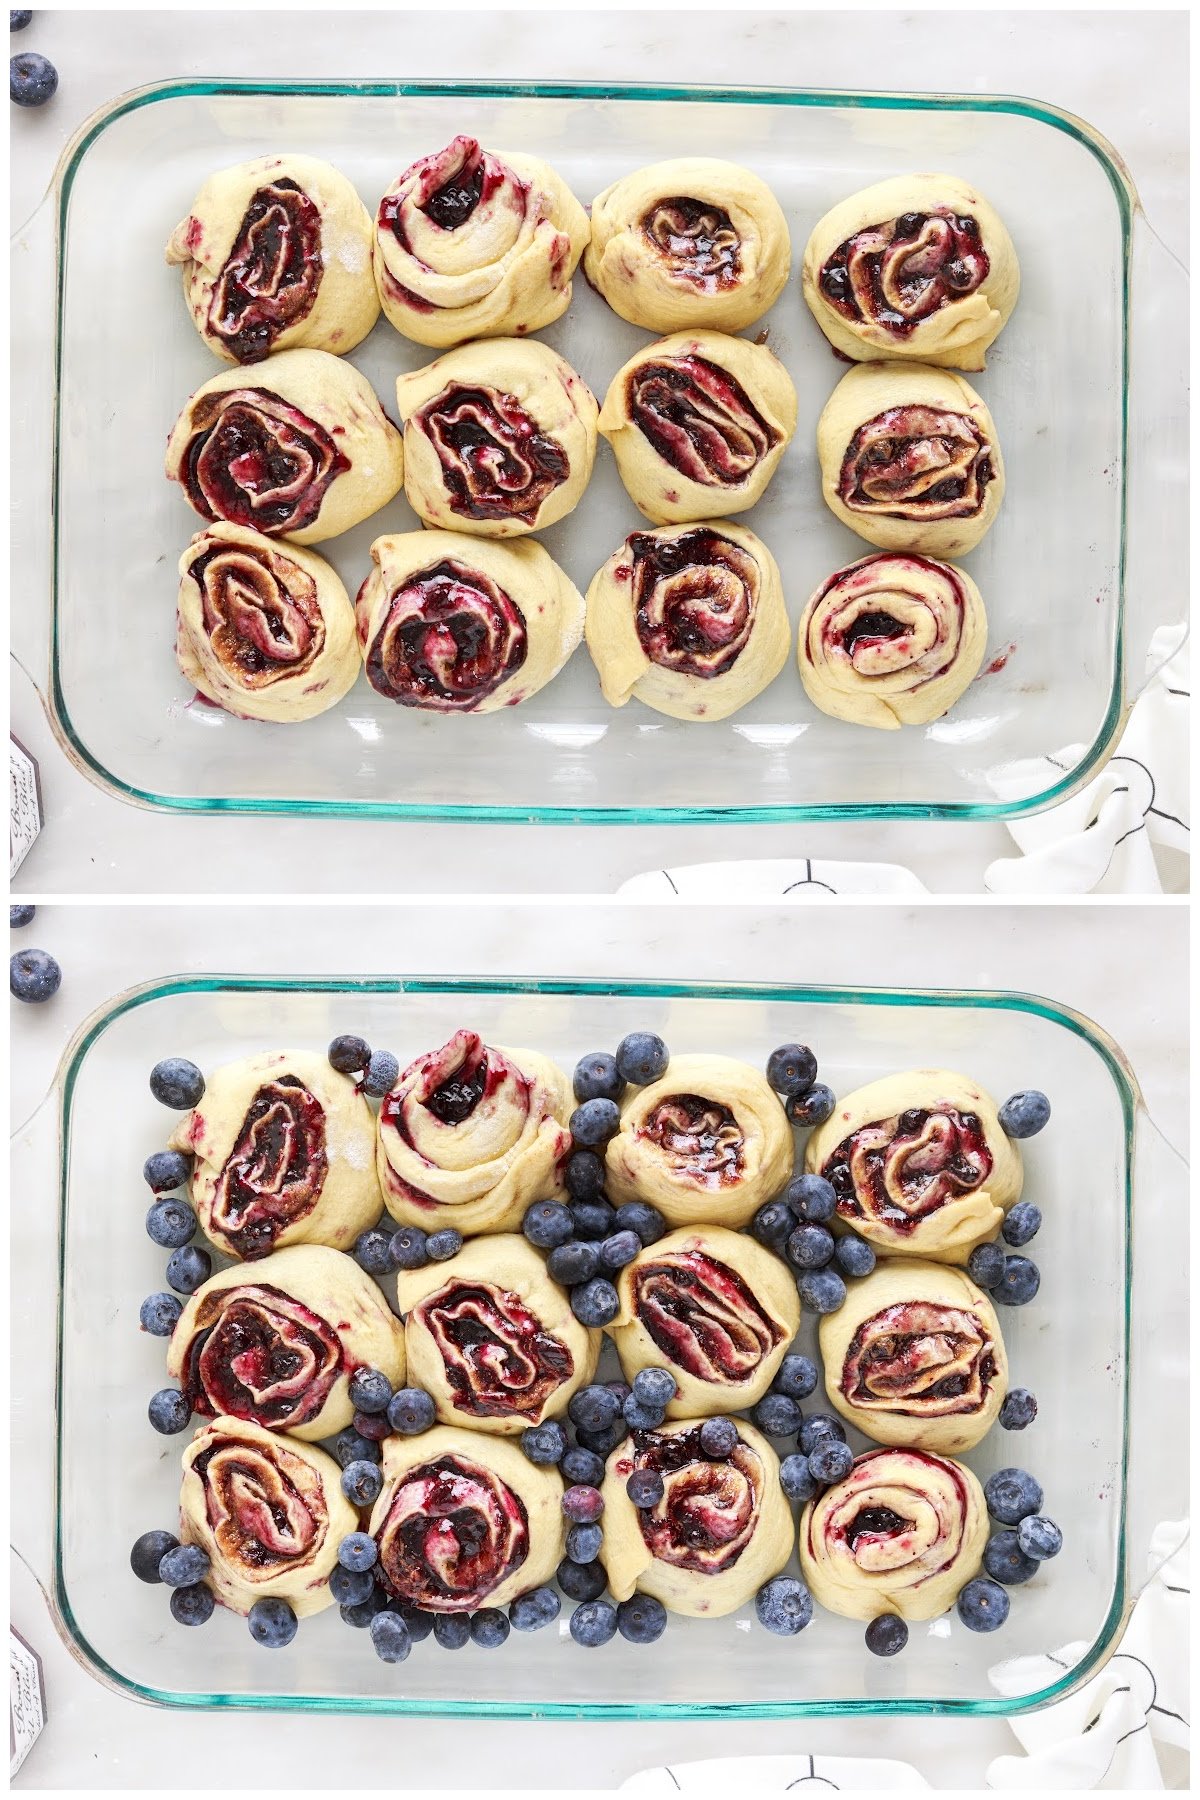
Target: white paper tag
<point>26,1700</point>
<point>24,805</point>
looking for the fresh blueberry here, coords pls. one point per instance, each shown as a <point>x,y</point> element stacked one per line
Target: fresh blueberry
<point>545,1444</point>
<point>351,1446</point>
<point>547,1223</point>
<point>33,975</point>
<point>621,1389</point>
<point>1023,1222</point>
<point>489,1628</point>
<point>1024,1115</point>
<point>582,1467</point>
<point>777,1415</point>
<point>854,1256</point>
<point>159,1314</point>
<point>654,1387</point>
<point>17,21</point>
<point>791,1069</point>
<point>641,1619</point>
<point>440,1246</point>
<point>32,79</point>
<point>390,1637</point>
<point>360,1616</point>
<point>619,1249</point>
<point>272,1623</point>
<point>177,1083</point>
<point>985,1265</point>
<point>594,1623</point>
<point>166,1170</point>
<point>1019,1409</point>
<point>811,1198</point>
<point>192,1605</point>
<point>582,1505</point>
<point>188,1268</point>
<point>371,1425</point>
<point>812,1108</point>
<point>409,1248</point>
<point>796,1478</point>
<point>184,1565</point>
<point>718,1438</point>
<point>641,1058</point>
<point>574,1262</point>
<point>169,1412</point>
<point>452,1630</point>
<point>594,1123</point>
<point>817,1428</point>
<point>596,1302</point>
<point>594,1408</point>
<point>349,1055</point>
<point>593,1220</point>
<point>411,1410</point>
<point>1012,1495</point>
<point>171,1224</point>
<point>585,1175</point>
<point>1019,1283</point>
<point>20,916</point>
<point>596,1077</point>
<point>373,1251</point>
<point>796,1377</point>
<point>645,1488</point>
<point>784,1605</point>
<point>1039,1537</point>
<point>584,1543</point>
<point>646,1220</point>
<point>831,1460</point>
<point>640,1417</point>
<point>821,1290</point>
<point>1005,1561</point>
<point>358,1552</point>
<point>810,1247</point>
<point>533,1611</point>
<point>982,1605</point>
<point>886,1635</point>
<point>369,1390</point>
<point>603,1443</point>
<point>419,1623</point>
<point>148,1553</point>
<point>581,1581</point>
<point>351,1587</point>
<point>773,1224</point>
<point>361,1483</point>
<point>383,1072</point>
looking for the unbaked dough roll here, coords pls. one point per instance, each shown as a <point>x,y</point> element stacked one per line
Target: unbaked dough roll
<point>276,255</point>
<point>456,624</point>
<point>493,1338</point>
<point>916,1356</point>
<point>695,241</point>
<point>465,1520</point>
<point>277,1343</point>
<point>698,423</point>
<point>472,1134</point>
<point>920,266</point>
<point>268,1510</point>
<point>688,619</point>
<point>298,448</point>
<point>716,1309</point>
<point>499,437</point>
<point>902,1534</point>
<point>708,1143</point>
<point>285,1154</point>
<point>264,630</point>
<point>919,1163</point>
<point>910,459</point>
<point>473,243</point>
<point>892,640</point>
<point>721,1529</point>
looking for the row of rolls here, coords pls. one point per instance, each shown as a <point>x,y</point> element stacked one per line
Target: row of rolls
<point>290,1164</point>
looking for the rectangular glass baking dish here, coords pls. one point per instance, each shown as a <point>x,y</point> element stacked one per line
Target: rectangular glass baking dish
<point>1094,1444</point>
<point>1088,397</point>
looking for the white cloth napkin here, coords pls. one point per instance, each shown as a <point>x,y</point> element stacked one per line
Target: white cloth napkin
<point>783,878</point>
<point>746,1775</point>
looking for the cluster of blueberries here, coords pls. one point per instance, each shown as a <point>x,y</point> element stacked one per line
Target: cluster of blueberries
<point>32,79</point>
<point>1014,1280</point>
<point>158,1556</point>
<point>33,975</point>
<point>172,1225</point>
<point>1010,1556</point>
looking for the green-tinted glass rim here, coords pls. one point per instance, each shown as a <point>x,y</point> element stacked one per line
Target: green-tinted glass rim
<point>1054,117</point>
<point>988,1000</point>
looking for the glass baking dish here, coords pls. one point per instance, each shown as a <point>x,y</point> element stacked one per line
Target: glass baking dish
<point>1089,400</point>
<point>1098,1449</point>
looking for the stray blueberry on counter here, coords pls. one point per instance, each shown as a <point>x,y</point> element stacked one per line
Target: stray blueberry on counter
<point>409,1247</point>
<point>358,1552</point>
<point>383,1072</point>
<point>854,1256</point>
<point>183,1565</point>
<point>718,1438</point>
<point>547,1223</point>
<point>373,1251</point>
<point>351,1446</point>
<point>1019,1283</point>
<point>582,1468</point>
<point>451,1630</point>
<point>581,1581</point>
<point>1022,1222</point>
<point>166,1170</point>
<point>593,1220</point>
<point>20,916</point>
<point>645,1488</point>
<point>361,1482</point>
<point>489,1628</point>
<point>159,1314</point>
<point>440,1246</point>
<point>594,1408</point>
<point>1019,1409</point>
<point>545,1444</point>
<point>1024,1115</point>
<point>821,1290</point>
<point>169,1412</point>
<point>886,1635</point>
<point>177,1083</point>
<point>640,1217</point>
<point>619,1249</point>
<point>351,1587</point>
<point>596,1302</point>
<point>192,1605</point>
<point>641,1058</point>
<point>812,1108</point>
<point>390,1636</point>
<point>641,1619</point>
<point>796,1376</point>
<point>369,1390</point>
<point>830,1460</point>
<point>818,1426</point>
<point>188,1268</point>
<point>582,1505</point>
<point>17,21</point>
<point>654,1387</point>
<point>411,1410</point>
<point>272,1623</point>
<point>1039,1537</point>
<point>170,1224</point>
<point>574,1262</point>
<point>985,1265</point>
<point>811,1198</point>
<point>777,1415</point>
<point>584,1543</point>
<point>792,1069</point>
<point>796,1478</point>
<point>585,1175</point>
<point>349,1055</point>
<point>532,1611</point>
<point>33,975</point>
<point>148,1552</point>
<point>810,1247</point>
<point>1005,1561</point>
<point>594,1623</point>
<point>419,1623</point>
<point>773,1224</point>
<point>982,1605</point>
<point>32,79</point>
<point>594,1123</point>
<point>784,1605</point>
<point>1012,1495</point>
<point>596,1077</point>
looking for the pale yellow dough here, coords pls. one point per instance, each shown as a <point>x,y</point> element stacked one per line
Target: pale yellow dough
<point>738,600</point>
<point>347,1197</point>
<point>916,1573</point>
<point>261,592</point>
<point>744,1485</point>
<point>502,271</point>
<point>326,392</point>
<point>910,679</point>
<point>491,1463</point>
<point>500,474</point>
<point>550,606</point>
<point>955,336</point>
<point>949,1233</point>
<point>754,1327</point>
<point>751,448</point>
<point>864,396</point>
<point>268,1490</point>
<point>346,304</point>
<point>280,1290</point>
<point>481,1174</point>
<point>506,1280</point>
<point>953,1330</point>
<point>647,280</point>
<point>750,1160</point>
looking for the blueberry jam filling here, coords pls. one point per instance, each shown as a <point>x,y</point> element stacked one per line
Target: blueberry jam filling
<point>916,462</point>
<point>255,1526</point>
<point>875,1521</point>
<point>902,271</point>
<point>254,460</point>
<point>695,598</point>
<point>453,1533</point>
<point>276,1171</point>
<point>457,1098</point>
<point>450,637</point>
<point>498,1358</point>
<point>272,274</point>
<point>700,419</point>
<point>900,1170</point>
<point>496,461</point>
<point>919,1357</point>
<point>703,1317</point>
<point>260,625</point>
<point>700,1138</point>
<point>698,240</point>
<point>257,1354</point>
<point>872,625</point>
<point>710,1506</point>
<point>453,203</point>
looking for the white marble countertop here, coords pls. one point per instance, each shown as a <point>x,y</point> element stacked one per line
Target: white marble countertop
<point>1126,73</point>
